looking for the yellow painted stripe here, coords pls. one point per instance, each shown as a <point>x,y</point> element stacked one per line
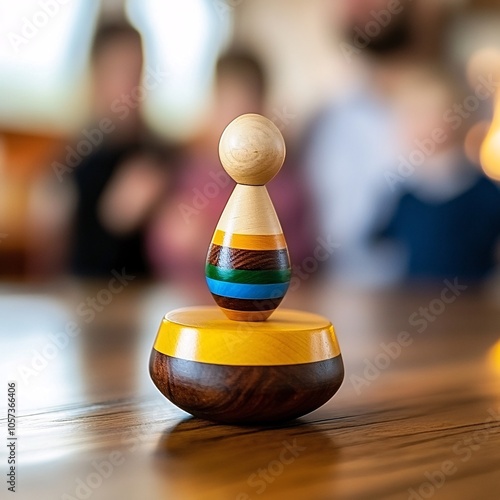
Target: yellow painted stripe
<point>206,335</point>
<point>249,241</point>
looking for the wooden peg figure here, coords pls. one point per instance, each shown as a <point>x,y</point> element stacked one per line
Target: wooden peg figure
<point>248,267</point>
<point>226,363</point>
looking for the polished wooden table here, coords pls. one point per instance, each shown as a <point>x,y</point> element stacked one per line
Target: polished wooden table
<point>418,415</point>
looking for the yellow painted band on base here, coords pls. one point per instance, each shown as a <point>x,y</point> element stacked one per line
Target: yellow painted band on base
<point>204,334</point>
<point>249,241</point>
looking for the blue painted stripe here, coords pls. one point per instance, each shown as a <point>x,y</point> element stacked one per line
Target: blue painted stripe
<point>247,291</point>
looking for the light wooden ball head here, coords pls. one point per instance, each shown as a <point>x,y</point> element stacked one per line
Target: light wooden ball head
<point>242,362</point>
<point>252,150</point>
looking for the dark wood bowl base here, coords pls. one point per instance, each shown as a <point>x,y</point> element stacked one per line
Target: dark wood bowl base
<point>246,394</point>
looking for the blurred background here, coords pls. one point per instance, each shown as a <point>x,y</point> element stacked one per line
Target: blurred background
<point>110,117</point>
<point>111,111</point>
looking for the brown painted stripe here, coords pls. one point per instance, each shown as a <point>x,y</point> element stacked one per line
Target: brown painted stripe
<point>247,304</point>
<point>247,315</point>
<point>236,258</point>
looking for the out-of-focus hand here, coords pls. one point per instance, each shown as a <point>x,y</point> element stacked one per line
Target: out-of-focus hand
<point>131,195</point>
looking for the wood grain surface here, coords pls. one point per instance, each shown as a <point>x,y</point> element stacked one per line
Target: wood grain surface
<point>418,415</point>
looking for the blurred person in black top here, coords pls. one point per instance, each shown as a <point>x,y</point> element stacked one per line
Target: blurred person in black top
<point>123,177</point>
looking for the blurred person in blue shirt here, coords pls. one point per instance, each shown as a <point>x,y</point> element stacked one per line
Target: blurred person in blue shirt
<point>447,219</point>
<point>353,142</point>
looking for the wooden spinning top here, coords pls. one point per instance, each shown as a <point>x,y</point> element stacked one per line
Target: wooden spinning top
<point>228,364</point>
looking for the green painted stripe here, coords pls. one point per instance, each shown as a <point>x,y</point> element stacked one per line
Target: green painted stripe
<point>246,276</point>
